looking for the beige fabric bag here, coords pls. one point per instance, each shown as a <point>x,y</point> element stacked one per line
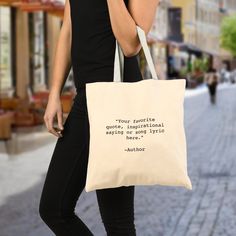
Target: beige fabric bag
<point>137,134</point>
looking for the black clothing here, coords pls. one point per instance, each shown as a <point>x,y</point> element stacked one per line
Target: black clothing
<point>212,88</point>
<point>65,182</point>
<point>93,53</point>
<point>93,44</point>
<point>212,91</point>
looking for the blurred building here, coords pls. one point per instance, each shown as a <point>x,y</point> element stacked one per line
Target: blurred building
<point>209,15</point>
<point>174,28</point>
<point>157,38</point>
<point>29,31</point>
<point>200,25</point>
<point>188,16</point>
<point>28,36</point>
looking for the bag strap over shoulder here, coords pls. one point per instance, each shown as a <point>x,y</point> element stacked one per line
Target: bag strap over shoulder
<point>119,57</point>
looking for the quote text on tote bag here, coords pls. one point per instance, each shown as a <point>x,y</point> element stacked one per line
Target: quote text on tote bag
<point>137,134</point>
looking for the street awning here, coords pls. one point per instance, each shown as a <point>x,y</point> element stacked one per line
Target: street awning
<point>55,7</point>
<point>186,47</point>
<point>8,2</point>
<point>191,49</point>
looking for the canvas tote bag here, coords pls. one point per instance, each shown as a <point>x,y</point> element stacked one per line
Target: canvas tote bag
<point>137,134</point>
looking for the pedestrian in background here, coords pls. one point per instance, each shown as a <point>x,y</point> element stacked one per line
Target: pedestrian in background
<point>212,80</point>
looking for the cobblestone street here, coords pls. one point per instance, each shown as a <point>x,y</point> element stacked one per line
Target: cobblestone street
<point>208,210</point>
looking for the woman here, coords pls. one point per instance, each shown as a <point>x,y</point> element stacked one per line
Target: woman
<point>212,80</point>
<point>87,42</point>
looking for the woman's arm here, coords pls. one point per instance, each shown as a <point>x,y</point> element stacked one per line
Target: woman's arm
<point>62,60</point>
<point>124,21</point>
<point>61,68</point>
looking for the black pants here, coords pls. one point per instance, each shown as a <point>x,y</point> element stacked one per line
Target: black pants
<point>66,177</point>
<point>212,91</point>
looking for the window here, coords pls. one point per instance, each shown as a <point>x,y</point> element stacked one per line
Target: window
<point>37,50</point>
<point>5,49</point>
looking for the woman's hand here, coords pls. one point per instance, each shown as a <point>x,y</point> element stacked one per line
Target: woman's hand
<point>54,108</point>
<point>61,69</point>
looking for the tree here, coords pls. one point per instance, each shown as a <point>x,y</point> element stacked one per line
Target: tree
<point>228,34</point>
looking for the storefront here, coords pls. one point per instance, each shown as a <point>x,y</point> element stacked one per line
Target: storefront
<point>28,35</point>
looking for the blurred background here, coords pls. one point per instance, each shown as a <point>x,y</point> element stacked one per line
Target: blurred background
<point>190,39</point>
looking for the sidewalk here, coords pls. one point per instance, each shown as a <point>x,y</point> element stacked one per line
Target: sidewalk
<point>208,210</point>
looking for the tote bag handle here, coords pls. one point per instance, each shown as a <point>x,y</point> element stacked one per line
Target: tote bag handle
<point>119,57</point>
